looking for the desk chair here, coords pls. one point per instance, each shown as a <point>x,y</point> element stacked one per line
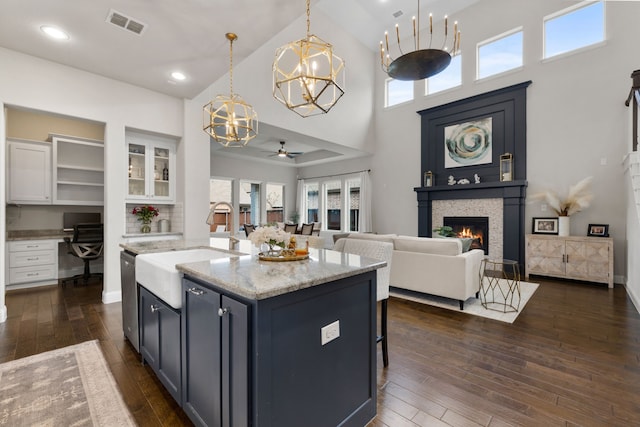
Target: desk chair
<point>87,244</point>
<point>381,251</point>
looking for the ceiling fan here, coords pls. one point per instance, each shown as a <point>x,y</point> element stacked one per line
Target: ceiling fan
<point>284,153</point>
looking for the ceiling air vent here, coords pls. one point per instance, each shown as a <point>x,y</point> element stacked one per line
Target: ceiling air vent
<point>125,22</point>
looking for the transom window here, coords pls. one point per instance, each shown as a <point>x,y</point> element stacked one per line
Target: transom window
<point>500,54</point>
<point>449,78</point>
<point>398,91</point>
<point>573,28</point>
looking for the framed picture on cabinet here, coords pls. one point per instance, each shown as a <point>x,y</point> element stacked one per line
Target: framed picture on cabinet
<point>545,226</point>
<point>598,230</point>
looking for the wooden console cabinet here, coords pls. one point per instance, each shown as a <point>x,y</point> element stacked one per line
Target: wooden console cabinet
<point>570,257</point>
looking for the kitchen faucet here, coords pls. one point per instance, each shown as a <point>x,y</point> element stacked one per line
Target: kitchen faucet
<point>233,241</point>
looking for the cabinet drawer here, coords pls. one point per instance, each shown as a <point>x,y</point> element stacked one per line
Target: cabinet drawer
<point>33,274</point>
<point>31,258</point>
<point>32,245</point>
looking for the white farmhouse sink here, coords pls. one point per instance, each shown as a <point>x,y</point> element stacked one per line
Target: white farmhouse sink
<point>157,272</point>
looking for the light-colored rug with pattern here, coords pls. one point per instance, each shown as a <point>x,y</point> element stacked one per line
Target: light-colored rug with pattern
<point>70,386</point>
<point>472,305</point>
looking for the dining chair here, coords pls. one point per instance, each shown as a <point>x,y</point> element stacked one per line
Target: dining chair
<point>307,229</point>
<point>291,228</point>
<point>249,228</point>
<point>382,251</point>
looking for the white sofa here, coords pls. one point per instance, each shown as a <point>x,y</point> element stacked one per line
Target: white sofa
<point>432,265</point>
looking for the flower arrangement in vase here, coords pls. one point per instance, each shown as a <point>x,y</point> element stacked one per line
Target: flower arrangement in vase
<point>273,237</point>
<point>145,214</point>
<point>578,198</point>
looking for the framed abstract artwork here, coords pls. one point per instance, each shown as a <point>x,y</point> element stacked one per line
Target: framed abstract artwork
<point>468,143</point>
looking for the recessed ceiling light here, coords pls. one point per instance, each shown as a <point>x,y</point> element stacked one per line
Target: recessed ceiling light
<point>54,33</point>
<point>177,75</point>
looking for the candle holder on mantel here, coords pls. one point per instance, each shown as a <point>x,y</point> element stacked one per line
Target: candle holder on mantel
<point>506,167</point>
<point>428,179</point>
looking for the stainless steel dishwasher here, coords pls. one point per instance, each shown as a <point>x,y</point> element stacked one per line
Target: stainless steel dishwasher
<point>129,298</point>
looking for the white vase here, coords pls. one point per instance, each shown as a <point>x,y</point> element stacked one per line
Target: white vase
<point>564,224</point>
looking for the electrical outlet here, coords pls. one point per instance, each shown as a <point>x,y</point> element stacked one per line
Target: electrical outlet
<point>330,332</point>
<point>603,161</point>
<point>543,207</point>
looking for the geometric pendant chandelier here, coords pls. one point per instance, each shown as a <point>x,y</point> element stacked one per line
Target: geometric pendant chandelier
<point>228,119</point>
<point>420,63</point>
<point>307,77</point>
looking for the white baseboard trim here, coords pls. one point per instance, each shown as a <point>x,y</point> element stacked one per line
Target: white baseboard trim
<point>634,298</point>
<point>3,314</point>
<point>111,297</point>
<point>31,285</point>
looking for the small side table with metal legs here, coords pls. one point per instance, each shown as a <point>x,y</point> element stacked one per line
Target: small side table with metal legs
<point>500,285</point>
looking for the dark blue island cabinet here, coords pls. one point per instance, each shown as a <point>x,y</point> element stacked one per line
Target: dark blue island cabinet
<point>160,341</point>
<point>302,358</point>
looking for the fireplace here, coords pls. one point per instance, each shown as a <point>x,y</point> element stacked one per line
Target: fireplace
<point>474,227</point>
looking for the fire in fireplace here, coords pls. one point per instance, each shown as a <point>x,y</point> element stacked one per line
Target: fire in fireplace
<point>474,227</point>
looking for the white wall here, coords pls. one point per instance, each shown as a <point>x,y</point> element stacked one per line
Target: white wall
<point>32,83</point>
<point>348,122</point>
<point>633,233</point>
<point>575,117</point>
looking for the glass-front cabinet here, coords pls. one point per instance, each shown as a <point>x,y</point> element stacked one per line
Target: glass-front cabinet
<point>151,169</point>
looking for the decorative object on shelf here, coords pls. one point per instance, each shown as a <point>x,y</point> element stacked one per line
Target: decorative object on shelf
<point>428,179</point>
<point>451,180</point>
<point>578,198</point>
<point>598,230</point>
<point>274,239</point>
<point>464,181</point>
<point>476,178</point>
<point>307,77</point>
<point>145,214</point>
<point>506,167</point>
<point>421,63</point>
<point>229,119</point>
<point>545,225</point>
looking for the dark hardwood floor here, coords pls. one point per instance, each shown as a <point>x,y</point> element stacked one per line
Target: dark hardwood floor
<point>571,358</point>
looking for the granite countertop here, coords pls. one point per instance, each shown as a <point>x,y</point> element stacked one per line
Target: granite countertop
<point>252,278</point>
<point>37,234</point>
<point>243,274</point>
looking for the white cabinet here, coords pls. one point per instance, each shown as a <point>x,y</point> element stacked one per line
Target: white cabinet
<point>29,172</point>
<point>32,262</point>
<point>151,171</point>
<point>571,257</point>
<point>78,173</point>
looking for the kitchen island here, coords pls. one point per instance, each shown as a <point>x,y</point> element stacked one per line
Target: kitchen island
<point>269,343</point>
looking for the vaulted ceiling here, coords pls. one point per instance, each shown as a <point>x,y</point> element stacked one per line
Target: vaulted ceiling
<point>188,36</point>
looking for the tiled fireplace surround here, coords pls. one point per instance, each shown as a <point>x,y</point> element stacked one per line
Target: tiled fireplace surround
<point>501,202</point>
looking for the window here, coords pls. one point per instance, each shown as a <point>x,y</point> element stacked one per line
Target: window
<point>312,202</point>
<point>220,190</point>
<point>398,91</point>
<point>500,54</point>
<point>332,202</point>
<point>249,202</point>
<point>573,28</point>
<point>353,203</point>
<point>275,205</point>
<point>449,78</point>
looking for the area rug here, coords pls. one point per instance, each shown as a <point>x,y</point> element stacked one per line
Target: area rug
<point>70,386</point>
<point>472,305</point>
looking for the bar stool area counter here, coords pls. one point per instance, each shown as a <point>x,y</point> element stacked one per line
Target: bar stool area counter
<point>500,285</point>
